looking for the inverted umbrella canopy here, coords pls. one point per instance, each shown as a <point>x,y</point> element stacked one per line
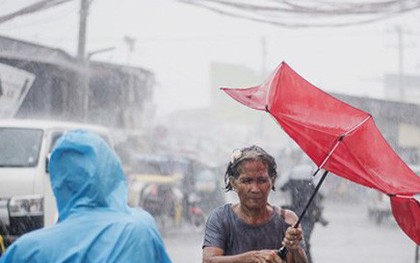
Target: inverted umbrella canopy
<point>339,138</point>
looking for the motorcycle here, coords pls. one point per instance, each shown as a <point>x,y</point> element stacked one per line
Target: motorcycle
<point>162,201</point>
<point>195,215</point>
<point>162,185</point>
<point>170,207</point>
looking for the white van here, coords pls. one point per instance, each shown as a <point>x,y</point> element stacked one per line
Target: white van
<point>26,198</point>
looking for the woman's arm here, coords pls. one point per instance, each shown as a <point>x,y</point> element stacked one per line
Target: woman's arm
<point>215,255</point>
<point>292,239</point>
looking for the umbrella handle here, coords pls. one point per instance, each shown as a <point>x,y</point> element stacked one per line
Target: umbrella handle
<point>283,250</point>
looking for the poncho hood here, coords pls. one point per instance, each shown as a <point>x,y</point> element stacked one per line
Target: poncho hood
<point>86,173</point>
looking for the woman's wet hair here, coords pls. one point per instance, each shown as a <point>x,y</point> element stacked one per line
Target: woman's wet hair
<point>246,154</point>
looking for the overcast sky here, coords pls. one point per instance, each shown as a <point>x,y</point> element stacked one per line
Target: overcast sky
<point>178,41</point>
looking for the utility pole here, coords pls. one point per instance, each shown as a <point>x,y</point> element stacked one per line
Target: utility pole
<point>84,11</point>
<point>261,119</point>
<point>401,87</point>
<point>84,91</point>
<point>128,93</point>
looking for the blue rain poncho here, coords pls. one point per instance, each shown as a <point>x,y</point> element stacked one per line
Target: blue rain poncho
<point>95,222</point>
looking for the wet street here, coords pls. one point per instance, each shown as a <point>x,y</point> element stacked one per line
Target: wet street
<point>349,237</point>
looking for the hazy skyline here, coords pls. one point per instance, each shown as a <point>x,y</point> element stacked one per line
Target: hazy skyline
<point>178,42</point>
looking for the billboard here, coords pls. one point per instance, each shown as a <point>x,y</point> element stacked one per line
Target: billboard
<point>14,85</point>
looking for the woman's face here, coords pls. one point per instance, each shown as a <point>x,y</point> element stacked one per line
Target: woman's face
<point>253,184</point>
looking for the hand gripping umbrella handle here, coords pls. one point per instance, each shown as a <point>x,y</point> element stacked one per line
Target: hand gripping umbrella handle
<point>283,250</point>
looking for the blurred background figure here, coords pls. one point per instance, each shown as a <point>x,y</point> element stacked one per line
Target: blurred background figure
<point>300,186</point>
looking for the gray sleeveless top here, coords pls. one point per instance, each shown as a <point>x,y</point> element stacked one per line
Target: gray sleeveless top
<point>225,230</point>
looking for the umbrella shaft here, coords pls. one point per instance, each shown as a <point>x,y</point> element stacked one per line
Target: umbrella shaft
<point>312,197</point>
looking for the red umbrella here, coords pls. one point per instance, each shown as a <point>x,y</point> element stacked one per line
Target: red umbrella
<point>339,138</point>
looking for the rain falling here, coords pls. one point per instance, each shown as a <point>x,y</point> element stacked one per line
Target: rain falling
<point>150,78</point>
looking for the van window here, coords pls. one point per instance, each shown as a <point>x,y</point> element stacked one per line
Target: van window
<point>20,147</point>
<point>54,138</point>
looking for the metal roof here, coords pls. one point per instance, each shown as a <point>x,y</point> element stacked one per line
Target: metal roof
<point>27,51</point>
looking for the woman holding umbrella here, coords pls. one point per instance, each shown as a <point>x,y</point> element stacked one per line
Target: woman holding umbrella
<point>252,230</point>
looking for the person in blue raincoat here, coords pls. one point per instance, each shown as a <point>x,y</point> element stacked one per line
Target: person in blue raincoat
<point>95,222</point>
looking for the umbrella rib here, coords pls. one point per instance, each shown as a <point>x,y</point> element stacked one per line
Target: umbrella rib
<point>331,152</point>
<point>340,139</point>
<point>400,196</point>
<point>357,126</point>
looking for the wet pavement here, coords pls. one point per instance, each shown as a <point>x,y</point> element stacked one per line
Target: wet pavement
<point>349,237</point>
<point>352,237</point>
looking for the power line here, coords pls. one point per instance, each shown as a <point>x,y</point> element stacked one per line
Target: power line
<point>287,13</point>
<point>43,22</point>
<point>36,7</point>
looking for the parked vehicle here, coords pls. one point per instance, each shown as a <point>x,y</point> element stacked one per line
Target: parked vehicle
<point>379,206</point>
<point>26,198</point>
